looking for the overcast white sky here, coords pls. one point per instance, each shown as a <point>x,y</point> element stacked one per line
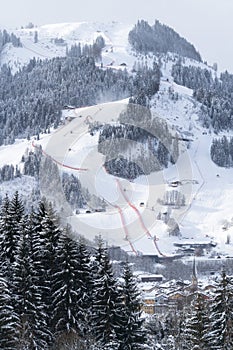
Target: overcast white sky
<point>208,24</point>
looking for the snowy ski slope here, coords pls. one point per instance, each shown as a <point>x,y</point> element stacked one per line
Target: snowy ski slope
<point>207,215</point>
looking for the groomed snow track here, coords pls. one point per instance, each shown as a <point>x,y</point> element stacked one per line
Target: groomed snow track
<point>147,232</point>
<point>122,217</point>
<point>57,162</point>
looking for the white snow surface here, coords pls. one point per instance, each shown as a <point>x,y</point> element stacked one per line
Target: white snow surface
<point>115,35</point>
<point>207,215</point>
<point>208,196</point>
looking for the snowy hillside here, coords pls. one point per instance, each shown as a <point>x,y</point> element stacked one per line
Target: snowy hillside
<point>207,188</point>
<point>133,216</point>
<point>117,52</point>
<point>114,34</point>
<point>209,206</point>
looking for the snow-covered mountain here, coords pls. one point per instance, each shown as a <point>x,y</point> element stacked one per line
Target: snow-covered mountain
<point>135,217</point>
<point>48,44</point>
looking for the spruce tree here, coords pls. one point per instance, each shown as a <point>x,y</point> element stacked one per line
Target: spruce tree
<point>47,234</point>
<point>85,288</point>
<point>219,332</point>
<point>9,322</point>
<point>34,333</point>
<point>44,233</point>
<point>195,323</point>
<point>12,213</point>
<point>168,344</point>
<point>65,296</point>
<point>5,229</point>
<point>131,333</point>
<point>154,330</point>
<point>107,303</point>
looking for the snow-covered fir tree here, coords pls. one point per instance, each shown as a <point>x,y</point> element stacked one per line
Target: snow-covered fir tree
<point>16,213</point>
<point>66,318</point>
<point>219,330</point>
<point>9,322</point>
<point>34,333</point>
<point>85,290</point>
<point>154,330</point>
<point>5,228</point>
<point>11,215</point>
<point>131,333</point>
<point>107,301</point>
<point>195,323</point>
<point>48,231</point>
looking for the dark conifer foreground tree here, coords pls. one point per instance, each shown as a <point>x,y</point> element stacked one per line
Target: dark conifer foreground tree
<point>16,213</point>
<point>219,333</point>
<point>34,268</point>
<point>48,234</point>
<point>53,295</point>
<point>85,289</point>
<point>107,302</point>
<point>9,323</point>
<point>5,225</point>
<point>34,333</point>
<point>195,324</point>
<point>65,285</point>
<point>154,330</point>
<point>12,213</point>
<point>131,334</point>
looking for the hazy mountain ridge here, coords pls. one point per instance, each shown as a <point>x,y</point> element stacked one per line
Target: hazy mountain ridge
<point>160,39</point>
<point>44,76</point>
<point>52,40</point>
